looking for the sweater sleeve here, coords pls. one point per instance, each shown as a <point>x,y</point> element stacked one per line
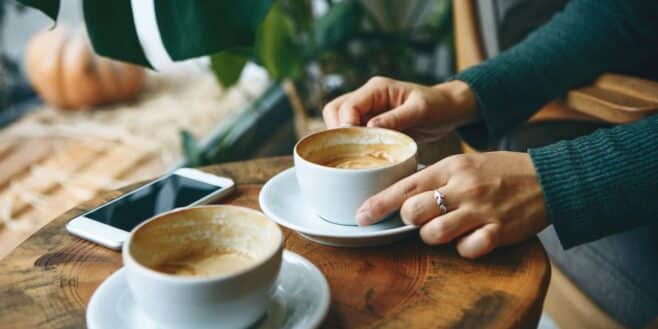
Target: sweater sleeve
<point>586,39</point>
<point>600,184</point>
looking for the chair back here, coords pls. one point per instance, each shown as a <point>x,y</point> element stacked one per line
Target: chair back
<point>613,98</point>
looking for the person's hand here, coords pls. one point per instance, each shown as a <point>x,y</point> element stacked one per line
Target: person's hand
<point>425,113</point>
<point>493,199</point>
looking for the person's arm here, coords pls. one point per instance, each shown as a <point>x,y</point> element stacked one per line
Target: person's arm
<point>601,184</point>
<point>586,39</point>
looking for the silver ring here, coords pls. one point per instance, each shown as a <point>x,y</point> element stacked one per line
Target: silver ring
<point>440,201</point>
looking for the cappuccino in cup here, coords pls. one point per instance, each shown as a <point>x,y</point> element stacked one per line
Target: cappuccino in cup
<point>200,266</point>
<point>359,156</point>
<point>338,169</point>
<point>206,263</point>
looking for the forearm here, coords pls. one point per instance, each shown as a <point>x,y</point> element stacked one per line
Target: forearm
<point>601,184</point>
<point>588,38</point>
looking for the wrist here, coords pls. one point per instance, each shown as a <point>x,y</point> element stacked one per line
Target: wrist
<point>462,101</point>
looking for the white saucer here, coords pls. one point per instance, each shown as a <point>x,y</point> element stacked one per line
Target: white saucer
<point>282,201</point>
<point>301,300</point>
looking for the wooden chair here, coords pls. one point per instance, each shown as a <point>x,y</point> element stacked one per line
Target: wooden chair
<point>613,98</point>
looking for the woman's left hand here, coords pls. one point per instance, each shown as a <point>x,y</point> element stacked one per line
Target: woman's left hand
<point>493,199</point>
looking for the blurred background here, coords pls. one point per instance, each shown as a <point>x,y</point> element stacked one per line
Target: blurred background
<point>221,81</point>
<point>73,124</point>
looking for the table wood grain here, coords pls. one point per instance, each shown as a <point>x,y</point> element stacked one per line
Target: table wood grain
<point>48,280</point>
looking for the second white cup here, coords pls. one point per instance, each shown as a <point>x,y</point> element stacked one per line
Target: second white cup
<point>335,194</point>
<point>201,294</point>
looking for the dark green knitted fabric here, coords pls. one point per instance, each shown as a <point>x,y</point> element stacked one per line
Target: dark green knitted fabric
<point>603,183</point>
<point>599,184</point>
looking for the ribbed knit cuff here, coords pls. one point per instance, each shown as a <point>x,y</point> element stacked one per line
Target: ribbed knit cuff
<point>600,184</point>
<point>492,97</point>
<point>478,134</point>
<point>562,191</point>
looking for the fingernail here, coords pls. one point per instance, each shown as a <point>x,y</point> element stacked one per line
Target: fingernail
<point>374,123</point>
<point>363,218</point>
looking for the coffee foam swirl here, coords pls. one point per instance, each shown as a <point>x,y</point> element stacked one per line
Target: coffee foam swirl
<point>206,262</point>
<point>205,241</point>
<point>358,156</point>
<point>356,148</point>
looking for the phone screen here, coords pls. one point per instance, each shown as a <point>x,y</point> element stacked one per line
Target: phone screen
<point>163,195</point>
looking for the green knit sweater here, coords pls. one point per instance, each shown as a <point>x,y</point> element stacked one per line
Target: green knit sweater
<point>595,185</point>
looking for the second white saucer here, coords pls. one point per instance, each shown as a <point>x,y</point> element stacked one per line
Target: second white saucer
<point>281,200</point>
<point>301,300</point>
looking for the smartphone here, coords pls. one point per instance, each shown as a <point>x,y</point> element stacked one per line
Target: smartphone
<point>110,224</point>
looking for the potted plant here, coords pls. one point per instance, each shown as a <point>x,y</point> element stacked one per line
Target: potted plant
<point>318,48</point>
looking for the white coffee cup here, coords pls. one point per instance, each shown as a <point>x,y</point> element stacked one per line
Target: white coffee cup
<point>223,295</point>
<point>335,194</point>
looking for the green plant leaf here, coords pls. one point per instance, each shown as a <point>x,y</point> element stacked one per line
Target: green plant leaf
<point>48,7</point>
<point>190,148</point>
<point>301,12</point>
<point>337,25</point>
<point>111,28</point>
<point>237,136</point>
<point>277,47</point>
<point>227,67</point>
<point>192,28</point>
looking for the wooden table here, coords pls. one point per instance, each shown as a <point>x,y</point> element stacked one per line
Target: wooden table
<point>48,280</point>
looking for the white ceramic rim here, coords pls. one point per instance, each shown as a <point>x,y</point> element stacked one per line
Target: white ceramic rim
<point>287,255</point>
<point>360,170</point>
<point>326,302</point>
<point>283,222</point>
<point>128,258</point>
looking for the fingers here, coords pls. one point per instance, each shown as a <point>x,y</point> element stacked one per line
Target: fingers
<point>350,112</point>
<point>351,108</point>
<point>385,202</point>
<point>421,208</point>
<point>402,117</point>
<point>389,200</point>
<point>446,228</point>
<point>330,111</point>
<point>371,97</point>
<point>479,243</point>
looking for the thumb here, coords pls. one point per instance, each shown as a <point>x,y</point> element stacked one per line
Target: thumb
<point>402,117</point>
